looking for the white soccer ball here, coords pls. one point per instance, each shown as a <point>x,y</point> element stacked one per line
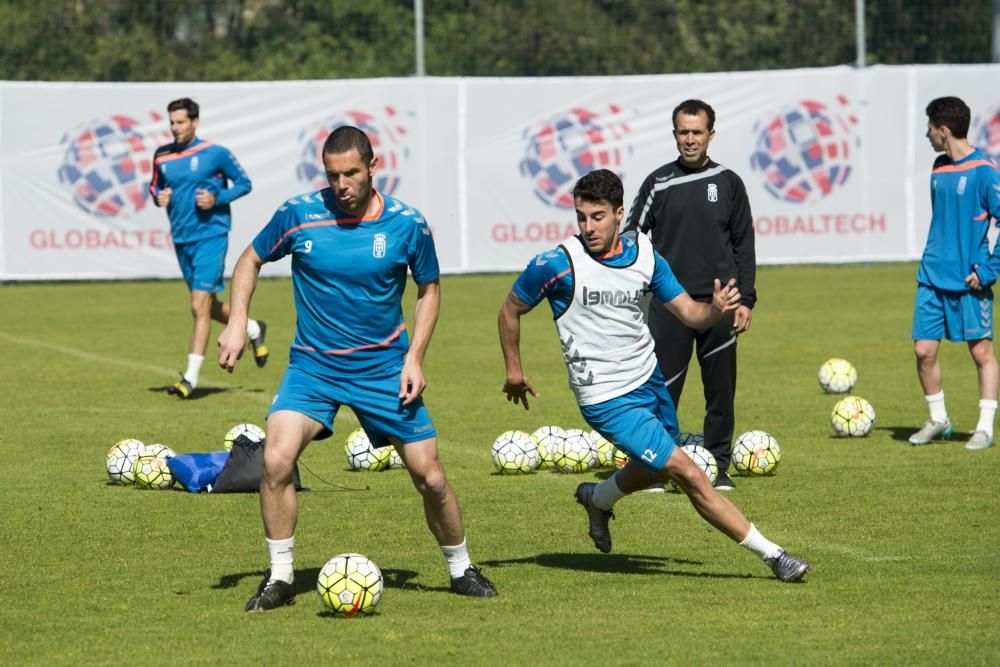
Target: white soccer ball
<point>550,440</point>
<point>152,472</point>
<point>693,439</point>
<point>515,452</point>
<point>362,456</point>
<point>252,431</point>
<point>703,459</point>
<point>756,453</point>
<point>350,584</point>
<point>121,460</point>
<point>837,376</point>
<point>578,453</point>
<point>619,458</point>
<point>852,416</point>
<point>395,460</point>
<point>605,450</point>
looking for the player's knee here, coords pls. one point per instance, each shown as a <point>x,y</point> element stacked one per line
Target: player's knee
<point>278,466</point>
<point>925,353</point>
<point>431,480</point>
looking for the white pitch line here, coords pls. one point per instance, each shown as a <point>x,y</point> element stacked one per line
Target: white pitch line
<point>848,551</point>
<point>111,361</point>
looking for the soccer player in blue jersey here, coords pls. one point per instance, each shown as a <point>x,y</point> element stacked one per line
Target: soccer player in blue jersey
<point>957,270</point>
<point>594,283</point>
<point>196,180</point>
<point>351,247</point>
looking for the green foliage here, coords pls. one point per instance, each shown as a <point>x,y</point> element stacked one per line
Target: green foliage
<point>226,40</point>
<point>902,540</point>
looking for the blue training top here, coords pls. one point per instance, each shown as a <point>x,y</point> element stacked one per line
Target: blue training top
<point>550,275</point>
<point>964,195</point>
<point>348,276</point>
<point>199,165</point>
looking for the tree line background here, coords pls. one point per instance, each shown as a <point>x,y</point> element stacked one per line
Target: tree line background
<point>227,40</point>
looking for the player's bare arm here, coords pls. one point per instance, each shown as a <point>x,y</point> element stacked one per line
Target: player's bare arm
<point>516,385</point>
<point>412,381</point>
<point>233,339</point>
<point>700,315</point>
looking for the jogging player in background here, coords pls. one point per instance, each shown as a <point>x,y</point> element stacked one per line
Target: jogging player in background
<point>594,283</point>
<point>196,180</point>
<point>956,273</point>
<point>697,215</point>
<point>351,247</point>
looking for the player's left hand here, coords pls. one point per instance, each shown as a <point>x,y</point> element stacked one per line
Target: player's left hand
<point>741,321</point>
<point>972,280</point>
<point>726,299</point>
<point>517,390</point>
<point>411,382</point>
<point>232,342</point>
<point>204,199</point>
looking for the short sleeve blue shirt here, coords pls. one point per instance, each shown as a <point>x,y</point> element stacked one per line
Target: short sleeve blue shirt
<point>549,275</point>
<point>349,275</point>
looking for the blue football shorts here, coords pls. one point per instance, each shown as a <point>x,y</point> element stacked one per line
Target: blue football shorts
<point>375,402</point>
<point>957,316</point>
<point>643,422</point>
<point>203,263</point>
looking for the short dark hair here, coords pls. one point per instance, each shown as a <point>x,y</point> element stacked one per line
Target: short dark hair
<point>346,137</point>
<point>600,185</point>
<point>185,104</point>
<point>952,113</point>
<point>692,108</point>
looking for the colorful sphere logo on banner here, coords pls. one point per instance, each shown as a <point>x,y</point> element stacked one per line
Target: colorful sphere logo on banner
<point>804,150</point>
<point>384,131</point>
<point>985,134</point>
<point>566,146</point>
<point>107,164</point>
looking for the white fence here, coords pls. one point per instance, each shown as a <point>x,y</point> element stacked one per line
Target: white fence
<point>835,160</point>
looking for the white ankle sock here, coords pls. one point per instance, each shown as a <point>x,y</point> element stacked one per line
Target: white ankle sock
<point>936,404</point>
<point>281,552</point>
<point>759,544</point>
<point>987,411</point>
<point>194,368</point>
<point>607,493</point>
<point>457,558</point>
<point>253,329</point>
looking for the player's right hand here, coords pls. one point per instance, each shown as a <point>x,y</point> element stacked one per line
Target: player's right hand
<point>232,343</point>
<point>163,198</point>
<point>517,390</point>
<point>726,299</point>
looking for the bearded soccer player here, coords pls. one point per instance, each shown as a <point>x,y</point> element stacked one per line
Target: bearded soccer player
<point>351,247</point>
<point>594,283</point>
<point>957,270</point>
<point>196,181</point>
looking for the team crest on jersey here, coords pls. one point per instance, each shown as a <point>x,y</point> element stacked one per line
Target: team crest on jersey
<point>378,246</point>
<point>961,185</point>
<point>194,163</point>
<point>713,192</point>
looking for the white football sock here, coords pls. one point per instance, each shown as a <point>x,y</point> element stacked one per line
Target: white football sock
<point>607,493</point>
<point>759,544</point>
<point>936,403</point>
<point>987,411</point>
<point>253,329</point>
<point>457,558</point>
<point>194,368</point>
<point>281,552</point>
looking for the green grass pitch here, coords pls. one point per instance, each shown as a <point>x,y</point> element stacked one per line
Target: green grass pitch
<point>903,541</point>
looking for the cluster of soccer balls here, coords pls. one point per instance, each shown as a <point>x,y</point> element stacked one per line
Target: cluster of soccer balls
<point>852,416</point>
<point>361,455</point>
<point>133,462</point>
<point>350,585</point>
<point>576,451</point>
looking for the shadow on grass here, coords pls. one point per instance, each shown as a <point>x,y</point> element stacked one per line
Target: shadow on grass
<point>202,392</point>
<point>616,563</point>
<point>903,433</point>
<point>305,581</point>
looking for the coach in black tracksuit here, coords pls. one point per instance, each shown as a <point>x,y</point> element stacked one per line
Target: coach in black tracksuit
<point>697,215</point>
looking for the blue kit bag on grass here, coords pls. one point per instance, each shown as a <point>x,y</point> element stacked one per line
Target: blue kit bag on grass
<point>197,472</point>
